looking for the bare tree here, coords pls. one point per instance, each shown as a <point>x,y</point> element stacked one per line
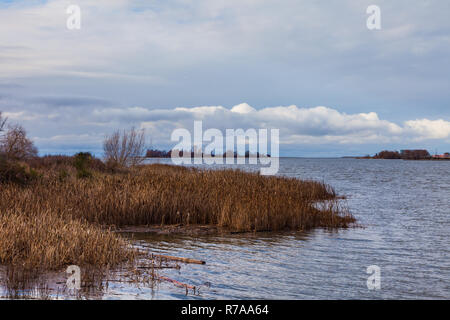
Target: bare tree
<point>126,148</point>
<point>15,144</point>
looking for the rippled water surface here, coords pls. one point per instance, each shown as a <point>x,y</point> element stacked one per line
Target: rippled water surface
<point>404,206</point>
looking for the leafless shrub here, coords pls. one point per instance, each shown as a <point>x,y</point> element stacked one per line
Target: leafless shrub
<point>125,149</point>
<point>15,144</point>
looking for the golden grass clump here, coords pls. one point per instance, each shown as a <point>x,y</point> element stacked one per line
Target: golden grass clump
<point>45,241</point>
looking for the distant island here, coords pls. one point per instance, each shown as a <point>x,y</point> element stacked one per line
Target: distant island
<point>419,154</point>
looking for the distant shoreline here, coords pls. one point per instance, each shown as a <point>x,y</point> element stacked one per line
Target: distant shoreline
<point>372,158</point>
<point>418,154</point>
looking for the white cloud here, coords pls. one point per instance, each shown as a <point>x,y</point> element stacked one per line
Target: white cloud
<point>298,126</point>
<point>318,125</point>
<point>428,129</point>
<point>243,108</point>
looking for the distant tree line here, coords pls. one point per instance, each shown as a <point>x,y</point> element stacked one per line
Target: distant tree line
<point>404,154</point>
<point>154,153</point>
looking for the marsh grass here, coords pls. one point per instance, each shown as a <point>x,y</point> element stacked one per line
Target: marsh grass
<point>49,242</point>
<point>59,219</point>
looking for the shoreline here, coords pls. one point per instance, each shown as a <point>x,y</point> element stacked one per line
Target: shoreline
<point>194,230</point>
<point>371,158</point>
<point>176,229</point>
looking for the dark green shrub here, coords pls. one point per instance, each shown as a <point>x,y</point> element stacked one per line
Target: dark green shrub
<point>14,172</point>
<point>82,162</point>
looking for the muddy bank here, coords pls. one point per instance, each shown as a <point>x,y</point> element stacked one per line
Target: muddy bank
<point>178,229</point>
<point>186,230</point>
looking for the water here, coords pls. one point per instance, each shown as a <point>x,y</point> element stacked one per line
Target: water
<point>404,207</point>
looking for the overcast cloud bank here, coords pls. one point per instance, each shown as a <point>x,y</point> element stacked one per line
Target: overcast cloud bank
<point>85,127</point>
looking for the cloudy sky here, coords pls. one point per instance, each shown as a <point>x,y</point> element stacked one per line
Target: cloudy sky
<point>308,67</point>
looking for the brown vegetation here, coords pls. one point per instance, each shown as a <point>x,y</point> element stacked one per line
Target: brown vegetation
<point>163,194</point>
<point>46,241</point>
<point>15,145</point>
<point>61,217</point>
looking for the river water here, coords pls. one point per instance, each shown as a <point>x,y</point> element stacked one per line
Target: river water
<point>404,207</point>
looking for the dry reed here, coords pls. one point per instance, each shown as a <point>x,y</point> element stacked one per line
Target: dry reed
<point>47,242</point>
<point>59,220</point>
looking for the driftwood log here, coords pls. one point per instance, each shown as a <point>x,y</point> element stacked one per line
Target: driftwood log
<point>175,282</point>
<point>185,260</point>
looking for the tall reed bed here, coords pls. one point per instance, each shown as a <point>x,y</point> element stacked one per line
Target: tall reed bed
<point>163,194</point>
<point>44,241</point>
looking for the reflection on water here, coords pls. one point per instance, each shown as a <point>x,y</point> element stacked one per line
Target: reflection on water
<point>17,283</point>
<point>403,205</point>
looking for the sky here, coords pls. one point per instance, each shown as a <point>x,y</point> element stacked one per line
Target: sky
<point>310,68</point>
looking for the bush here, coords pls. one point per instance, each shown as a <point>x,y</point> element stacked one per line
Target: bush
<point>14,172</point>
<point>125,149</point>
<point>81,162</point>
<point>15,145</point>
